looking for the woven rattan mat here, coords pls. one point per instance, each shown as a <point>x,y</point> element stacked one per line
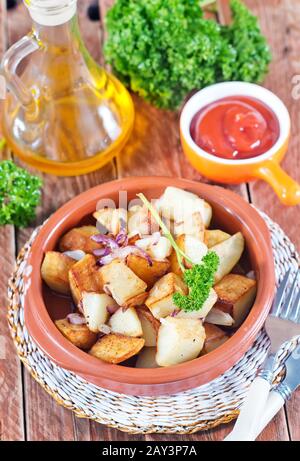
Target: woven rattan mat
<point>197,409</point>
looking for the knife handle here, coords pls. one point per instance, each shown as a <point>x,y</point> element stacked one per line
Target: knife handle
<point>274,403</point>
<point>251,411</point>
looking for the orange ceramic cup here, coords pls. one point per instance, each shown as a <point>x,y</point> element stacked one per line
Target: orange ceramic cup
<point>265,166</point>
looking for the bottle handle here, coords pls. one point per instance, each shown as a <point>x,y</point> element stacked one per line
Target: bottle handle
<point>287,189</point>
<point>10,62</point>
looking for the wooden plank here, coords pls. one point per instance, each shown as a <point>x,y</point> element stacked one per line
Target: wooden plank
<point>280,22</point>
<point>45,419</point>
<point>11,399</point>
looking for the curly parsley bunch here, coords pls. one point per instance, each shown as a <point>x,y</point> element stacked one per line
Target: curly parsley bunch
<point>163,49</point>
<point>19,194</point>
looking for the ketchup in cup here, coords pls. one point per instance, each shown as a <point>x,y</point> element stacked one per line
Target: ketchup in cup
<point>235,128</point>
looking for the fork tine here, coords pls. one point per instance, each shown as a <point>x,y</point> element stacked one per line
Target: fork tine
<point>280,294</point>
<point>288,303</point>
<point>295,314</point>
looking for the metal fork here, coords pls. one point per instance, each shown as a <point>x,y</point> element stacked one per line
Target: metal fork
<point>280,326</point>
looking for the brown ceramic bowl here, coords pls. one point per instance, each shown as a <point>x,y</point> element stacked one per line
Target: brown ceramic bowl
<point>231,213</point>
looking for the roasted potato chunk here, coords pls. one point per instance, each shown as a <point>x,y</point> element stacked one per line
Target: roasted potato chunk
<point>214,337</point>
<point>160,300</point>
<point>111,219</point>
<point>236,294</point>
<point>150,326</point>
<point>149,274</point>
<point>95,309</point>
<point>146,358</point>
<point>139,221</point>
<point>213,237</point>
<point>79,335</point>
<point>115,348</point>
<point>121,282</point>
<point>179,340</point>
<point>177,204</point>
<point>193,225</point>
<point>126,322</point>
<point>194,248</point>
<point>79,238</point>
<point>55,270</point>
<point>84,276</point>
<point>229,252</point>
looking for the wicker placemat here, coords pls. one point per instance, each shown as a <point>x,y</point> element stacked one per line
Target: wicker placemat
<point>198,409</point>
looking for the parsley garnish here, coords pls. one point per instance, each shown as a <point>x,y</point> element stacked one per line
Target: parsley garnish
<point>19,194</point>
<point>199,279</point>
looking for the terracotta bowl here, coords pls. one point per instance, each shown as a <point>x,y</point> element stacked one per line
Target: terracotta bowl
<point>230,213</point>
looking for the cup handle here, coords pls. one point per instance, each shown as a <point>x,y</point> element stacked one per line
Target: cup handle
<point>287,189</point>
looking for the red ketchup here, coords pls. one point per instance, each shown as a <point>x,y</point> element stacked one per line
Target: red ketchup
<point>235,127</point>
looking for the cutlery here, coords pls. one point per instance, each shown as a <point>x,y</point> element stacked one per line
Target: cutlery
<point>283,391</point>
<point>281,326</point>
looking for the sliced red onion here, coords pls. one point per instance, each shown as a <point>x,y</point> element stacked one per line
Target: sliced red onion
<point>122,238</point>
<point>105,329</point>
<point>218,317</point>
<point>76,319</point>
<point>75,254</point>
<point>102,251</point>
<point>108,241</point>
<point>174,313</point>
<point>112,309</point>
<point>122,253</point>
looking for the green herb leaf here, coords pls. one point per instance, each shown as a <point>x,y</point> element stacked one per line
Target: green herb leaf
<point>199,279</point>
<point>163,49</point>
<point>19,194</point>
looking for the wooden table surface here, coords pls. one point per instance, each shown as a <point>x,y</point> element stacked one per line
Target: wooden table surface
<point>27,412</point>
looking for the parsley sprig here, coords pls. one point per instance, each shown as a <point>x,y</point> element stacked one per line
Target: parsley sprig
<point>19,194</point>
<point>163,49</point>
<point>199,279</point>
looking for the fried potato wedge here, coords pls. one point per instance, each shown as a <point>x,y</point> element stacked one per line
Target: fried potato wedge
<point>193,225</point>
<point>146,358</point>
<point>139,221</point>
<point>207,214</point>
<point>122,282</point>
<point>229,252</point>
<point>177,204</point>
<point>126,322</point>
<point>111,219</point>
<point>79,238</point>
<point>202,313</point>
<point>79,335</point>
<point>115,348</point>
<point>194,248</point>
<point>179,340</point>
<point>84,276</point>
<point>95,309</point>
<point>55,269</point>
<point>150,326</point>
<point>213,237</point>
<point>214,337</point>
<point>160,300</point>
<point>149,274</point>
<point>236,294</point>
